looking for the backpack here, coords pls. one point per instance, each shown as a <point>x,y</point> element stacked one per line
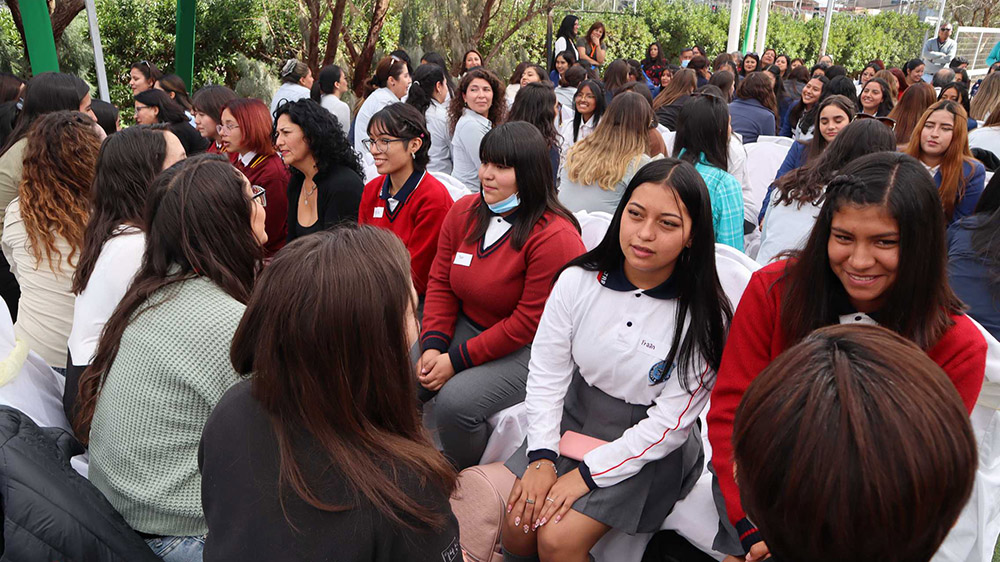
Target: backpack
<point>479,504</point>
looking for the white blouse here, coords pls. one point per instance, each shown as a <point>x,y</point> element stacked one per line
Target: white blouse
<point>469,133</point>
<point>437,126</point>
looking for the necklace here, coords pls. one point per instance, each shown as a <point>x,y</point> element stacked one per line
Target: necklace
<point>309,194</point>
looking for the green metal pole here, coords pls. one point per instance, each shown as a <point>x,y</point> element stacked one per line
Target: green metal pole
<point>745,45</point>
<point>184,44</point>
<point>38,36</point>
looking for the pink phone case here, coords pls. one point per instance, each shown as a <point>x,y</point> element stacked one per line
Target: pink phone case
<point>575,445</point>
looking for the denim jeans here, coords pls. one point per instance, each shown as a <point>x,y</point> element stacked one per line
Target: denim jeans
<point>178,549</point>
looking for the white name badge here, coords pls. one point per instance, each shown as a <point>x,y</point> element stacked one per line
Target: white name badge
<point>379,212</point>
<point>463,259</point>
<point>653,348</point>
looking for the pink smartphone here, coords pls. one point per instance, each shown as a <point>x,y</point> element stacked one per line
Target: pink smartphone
<point>575,445</point>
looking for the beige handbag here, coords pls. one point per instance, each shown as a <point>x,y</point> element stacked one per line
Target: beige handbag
<point>479,504</point>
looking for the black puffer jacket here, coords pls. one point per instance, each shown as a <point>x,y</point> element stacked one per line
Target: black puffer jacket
<point>49,511</point>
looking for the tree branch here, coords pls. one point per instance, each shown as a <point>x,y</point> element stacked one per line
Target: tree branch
<point>334,34</point>
<point>63,14</point>
<point>528,16</point>
<point>364,62</point>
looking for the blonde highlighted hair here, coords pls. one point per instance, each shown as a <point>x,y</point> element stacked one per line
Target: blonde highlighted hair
<point>986,100</point>
<point>953,179</point>
<point>60,160</point>
<point>620,138</point>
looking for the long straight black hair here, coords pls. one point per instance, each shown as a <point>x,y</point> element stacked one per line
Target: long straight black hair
<point>519,145</point>
<point>45,93</point>
<point>703,129</point>
<point>986,234</point>
<point>919,304</point>
<point>700,293</point>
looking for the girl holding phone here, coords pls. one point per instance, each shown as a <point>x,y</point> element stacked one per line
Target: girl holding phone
<point>637,383</point>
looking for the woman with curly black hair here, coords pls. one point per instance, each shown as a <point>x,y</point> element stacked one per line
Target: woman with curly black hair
<point>325,186</point>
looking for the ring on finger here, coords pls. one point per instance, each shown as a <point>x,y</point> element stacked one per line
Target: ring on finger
<point>550,500</point>
<point>529,502</point>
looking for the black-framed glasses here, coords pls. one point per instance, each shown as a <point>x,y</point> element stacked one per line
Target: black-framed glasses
<point>381,145</point>
<point>259,194</point>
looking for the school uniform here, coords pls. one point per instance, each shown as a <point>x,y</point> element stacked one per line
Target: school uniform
<point>469,133</point>
<point>288,92</point>
<point>484,300</point>
<point>974,175</point>
<point>598,368</point>
<point>439,153</point>
<point>750,119</point>
<point>756,337</point>
<point>414,213</point>
<point>969,274</point>
<point>375,102</point>
<point>590,197</point>
<point>786,226</point>
<point>566,133</point>
<point>270,173</point>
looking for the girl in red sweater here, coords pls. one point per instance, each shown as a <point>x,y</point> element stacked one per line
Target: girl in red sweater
<point>877,255</point>
<point>498,254</point>
<point>245,131</point>
<point>405,198</point>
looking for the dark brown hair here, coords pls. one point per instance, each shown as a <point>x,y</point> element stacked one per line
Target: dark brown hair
<point>197,225</point>
<point>345,379</point>
<point>497,108</point>
<point>818,143</point>
<point>919,304</point>
<point>210,100</point>
<point>910,108</point>
<point>756,86</point>
<point>853,430</point>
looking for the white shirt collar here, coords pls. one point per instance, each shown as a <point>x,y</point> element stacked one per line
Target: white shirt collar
<point>476,116</point>
<point>248,157</point>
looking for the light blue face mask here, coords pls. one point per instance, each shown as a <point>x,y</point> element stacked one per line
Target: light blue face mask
<point>684,63</point>
<point>508,204</point>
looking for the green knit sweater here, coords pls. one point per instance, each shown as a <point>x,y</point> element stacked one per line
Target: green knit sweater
<point>171,369</point>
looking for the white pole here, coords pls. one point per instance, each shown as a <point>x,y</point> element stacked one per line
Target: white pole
<point>95,38</point>
<point>826,27</point>
<point>940,19</point>
<point>765,7</point>
<point>735,18</point>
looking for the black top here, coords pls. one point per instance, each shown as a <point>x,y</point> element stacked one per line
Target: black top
<point>239,462</point>
<point>338,195</point>
<point>667,114</point>
<point>190,138</point>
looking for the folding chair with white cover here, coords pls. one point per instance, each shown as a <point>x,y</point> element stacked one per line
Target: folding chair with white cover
<point>974,535</point>
<point>783,141</point>
<point>455,188</point>
<point>593,226</point>
<point>766,158</point>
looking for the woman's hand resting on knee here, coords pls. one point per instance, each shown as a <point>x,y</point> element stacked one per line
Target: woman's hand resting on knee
<point>527,498</point>
<point>567,489</point>
<point>434,369</point>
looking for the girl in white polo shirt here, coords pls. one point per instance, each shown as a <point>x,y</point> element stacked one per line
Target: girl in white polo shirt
<point>613,359</point>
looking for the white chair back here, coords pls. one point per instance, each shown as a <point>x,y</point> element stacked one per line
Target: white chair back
<point>593,226</point>
<point>455,188</point>
<point>763,161</point>
<point>783,141</point>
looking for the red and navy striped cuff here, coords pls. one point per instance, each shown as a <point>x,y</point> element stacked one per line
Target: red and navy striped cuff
<point>435,340</point>
<point>460,358</point>
<point>749,535</point>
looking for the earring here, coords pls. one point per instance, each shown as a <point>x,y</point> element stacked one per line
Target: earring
<point>413,155</point>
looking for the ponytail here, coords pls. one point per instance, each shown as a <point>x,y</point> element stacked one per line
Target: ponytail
<point>425,80</point>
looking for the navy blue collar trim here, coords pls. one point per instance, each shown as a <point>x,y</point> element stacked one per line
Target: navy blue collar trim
<point>403,194</point>
<point>617,281</point>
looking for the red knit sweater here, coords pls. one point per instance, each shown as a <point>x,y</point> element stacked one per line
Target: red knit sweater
<point>270,173</point>
<point>501,289</point>
<point>416,220</point>
<point>756,338</point>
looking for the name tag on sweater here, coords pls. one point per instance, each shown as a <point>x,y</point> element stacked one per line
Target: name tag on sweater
<point>463,259</point>
<point>653,348</point>
<point>379,212</point>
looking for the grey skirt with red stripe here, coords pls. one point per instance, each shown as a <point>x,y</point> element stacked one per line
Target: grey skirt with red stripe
<point>640,503</point>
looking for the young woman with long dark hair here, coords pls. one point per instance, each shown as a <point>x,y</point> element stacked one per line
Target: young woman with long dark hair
<point>246,132</point>
<point>831,116</point>
<point>497,255</point>
<point>565,91</point>
<point>958,92</point>
<point>142,76</point>
<point>142,405</point>
<point>703,140</point>
<point>325,183</point>
<point>671,99</point>
<point>43,228</point>
<point>155,106</point>
<point>798,125</point>
<point>566,36</point>
<point>175,87</point>
<point>388,85</point>
<point>877,254</point>
<point>471,59</point>
<point>597,169</point>
<point>208,103</point>
<point>875,98</point>
<point>477,107</point>
<point>754,110</point>
<point>324,435</point>
<point>941,143</point>
<point>749,64</point>
<point>847,381</point>
<point>115,239</point>
<point>798,195</point>
<point>405,198</point>
<point>326,91</point>
<point>429,94</point>
<point>564,61</point>
<point>536,104</point>
<point>654,63</point>
<point>621,310</point>
<point>589,104</point>
<point>910,108</point>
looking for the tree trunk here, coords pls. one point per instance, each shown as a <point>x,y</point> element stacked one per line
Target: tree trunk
<point>64,13</point>
<point>15,12</point>
<point>312,34</point>
<point>332,39</point>
<point>367,53</point>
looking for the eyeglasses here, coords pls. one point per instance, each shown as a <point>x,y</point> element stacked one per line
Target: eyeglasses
<point>381,145</point>
<point>226,127</point>
<point>887,121</point>
<point>259,194</point>
<point>586,97</point>
<point>139,108</point>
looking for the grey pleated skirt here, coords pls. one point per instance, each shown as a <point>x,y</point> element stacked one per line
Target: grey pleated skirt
<point>640,503</point>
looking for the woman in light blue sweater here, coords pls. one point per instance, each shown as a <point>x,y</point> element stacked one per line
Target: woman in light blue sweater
<point>163,361</point>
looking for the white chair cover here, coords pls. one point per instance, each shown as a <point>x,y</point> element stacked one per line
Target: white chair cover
<point>783,141</point>
<point>593,226</point>
<point>766,158</point>
<point>455,188</point>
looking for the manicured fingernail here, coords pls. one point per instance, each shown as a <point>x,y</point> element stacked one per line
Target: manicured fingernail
<point>558,517</point>
<point>526,529</point>
<point>544,520</point>
<point>517,521</point>
<point>509,507</point>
